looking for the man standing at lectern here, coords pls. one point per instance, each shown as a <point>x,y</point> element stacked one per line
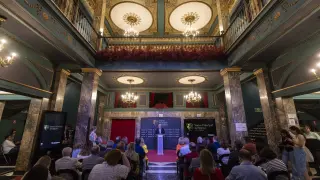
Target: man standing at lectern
<point>160,130</point>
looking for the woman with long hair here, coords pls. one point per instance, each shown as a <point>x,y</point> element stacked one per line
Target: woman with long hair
<point>133,158</point>
<point>286,146</point>
<point>40,170</point>
<point>299,165</point>
<point>207,170</point>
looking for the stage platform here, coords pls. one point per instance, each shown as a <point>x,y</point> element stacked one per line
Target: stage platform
<point>169,156</point>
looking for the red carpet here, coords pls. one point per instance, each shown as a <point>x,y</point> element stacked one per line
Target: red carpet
<point>169,156</point>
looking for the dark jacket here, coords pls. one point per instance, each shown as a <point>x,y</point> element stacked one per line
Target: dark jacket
<point>162,131</point>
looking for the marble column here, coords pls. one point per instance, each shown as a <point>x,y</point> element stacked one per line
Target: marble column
<point>106,130</point>
<point>221,121</point>
<point>138,127</point>
<point>268,109</point>
<point>100,119</point>
<point>235,108</point>
<point>286,112</point>
<point>59,89</point>
<point>99,18</point>
<point>2,104</point>
<point>87,104</point>
<point>29,137</point>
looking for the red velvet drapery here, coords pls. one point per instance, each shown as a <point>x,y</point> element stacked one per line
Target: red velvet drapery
<point>202,104</point>
<point>123,127</point>
<point>159,99</point>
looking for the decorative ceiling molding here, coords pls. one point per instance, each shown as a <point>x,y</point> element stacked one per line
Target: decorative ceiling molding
<point>164,40</point>
<point>172,5</point>
<point>127,14</point>
<point>192,80</point>
<point>150,5</point>
<point>195,14</point>
<point>130,80</point>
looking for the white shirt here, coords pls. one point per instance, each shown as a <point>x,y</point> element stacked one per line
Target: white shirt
<point>312,135</point>
<point>220,152</point>
<point>105,172</point>
<point>7,146</point>
<point>159,130</point>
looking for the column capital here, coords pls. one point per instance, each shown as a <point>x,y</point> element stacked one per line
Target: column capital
<point>256,72</point>
<point>231,69</point>
<point>92,70</point>
<point>64,71</point>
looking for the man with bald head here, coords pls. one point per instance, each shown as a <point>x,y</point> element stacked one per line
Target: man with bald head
<point>66,162</point>
<point>91,161</point>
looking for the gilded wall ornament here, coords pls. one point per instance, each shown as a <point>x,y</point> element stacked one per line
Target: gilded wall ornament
<point>190,18</point>
<point>132,19</point>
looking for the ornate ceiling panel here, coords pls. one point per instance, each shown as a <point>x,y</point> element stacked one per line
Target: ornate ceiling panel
<point>160,24</point>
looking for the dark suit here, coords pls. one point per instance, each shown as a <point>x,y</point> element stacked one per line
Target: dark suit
<point>162,131</point>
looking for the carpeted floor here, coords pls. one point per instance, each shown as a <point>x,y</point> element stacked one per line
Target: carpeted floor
<point>169,156</point>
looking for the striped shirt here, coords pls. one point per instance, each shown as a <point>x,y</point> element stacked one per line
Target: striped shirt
<point>274,165</point>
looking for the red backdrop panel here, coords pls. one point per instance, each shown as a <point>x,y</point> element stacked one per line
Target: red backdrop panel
<point>123,127</point>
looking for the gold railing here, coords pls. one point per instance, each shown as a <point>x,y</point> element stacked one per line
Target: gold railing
<point>79,19</point>
<point>245,12</point>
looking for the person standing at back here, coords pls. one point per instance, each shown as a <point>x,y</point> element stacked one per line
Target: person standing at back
<point>246,170</point>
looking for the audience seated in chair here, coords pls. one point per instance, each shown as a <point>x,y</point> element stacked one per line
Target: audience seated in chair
<point>207,170</point>
<point>67,162</point>
<point>272,165</point>
<point>234,155</point>
<point>9,147</point>
<point>91,161</point>
<point>142,155</point>
<point>134,160</point>
<point>246,170</point>
<point>40,170</point>
<point>110,144</point>
<point>195,162</point>
<point>188,158</point>
<point>185,149</point>
<point>110,168</point>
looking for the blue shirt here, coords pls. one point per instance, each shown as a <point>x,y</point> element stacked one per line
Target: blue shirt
<point>246,171</point>
<point>185,150</point>
<point>140,150</point>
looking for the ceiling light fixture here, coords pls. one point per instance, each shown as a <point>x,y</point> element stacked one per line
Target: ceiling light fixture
<point>193,97</point>
<point>188,19</point>
<point>6,60</point>
<point>129,97</point>
<point>132,20</point>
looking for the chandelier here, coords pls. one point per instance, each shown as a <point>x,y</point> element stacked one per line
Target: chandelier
<point>192,97</point>
<point>5,61</point>
<point>132,19</point>
<point>190,32</point>
<point>314,71</point>
<point>188,19</point>
<point>129,97</point>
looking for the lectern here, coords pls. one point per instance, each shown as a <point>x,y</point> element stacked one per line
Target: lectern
<point>160,144</point>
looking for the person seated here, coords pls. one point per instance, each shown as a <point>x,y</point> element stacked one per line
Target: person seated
<point>134,160</point>
<point>76,150</point>
<point>180,144</point>
<point>118,139</point>
<point>125,140</point>
<point>9,148</point>
<point>38,172</point>
<point>110,168</point>
<point>185,149</point>
<point>270,163</point>
<point>207,170</point>
<point>142,155</point>
<point>188,158</point>
<point>213,147</point>
<point>145,148</point>
<point>67,162</point>
<point>199,141</point>
<point>234,155</point>
<point>246,170</point>
<point>91,161</point>
<point>223,150</point>
<point>108,149</point>
<point>195,162</point>
<point>85,150</point>
<point>121,146</point>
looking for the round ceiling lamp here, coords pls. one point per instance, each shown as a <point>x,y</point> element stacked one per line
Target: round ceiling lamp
<point>190,17</point>
<point>131,17</point>
<point>124,80</point>
<point>197,80</point>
